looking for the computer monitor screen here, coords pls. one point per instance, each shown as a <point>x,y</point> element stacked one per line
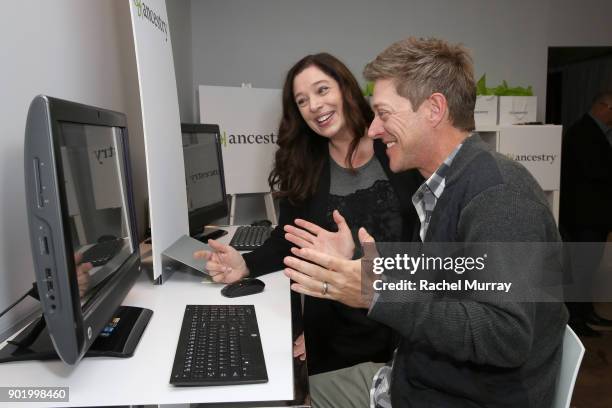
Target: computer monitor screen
<point>94,189</point>
<point>81,218</point>
<point>206,199</point>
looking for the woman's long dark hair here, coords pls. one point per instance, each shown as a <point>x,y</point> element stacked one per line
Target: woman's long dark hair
<point>301,152</point>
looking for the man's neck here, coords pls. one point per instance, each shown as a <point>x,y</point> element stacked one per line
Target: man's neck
<point>445,142</point>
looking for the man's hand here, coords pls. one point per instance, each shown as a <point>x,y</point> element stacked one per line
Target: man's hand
<point>329,277</point>
<point>224,263</point>
<point>310,235</point>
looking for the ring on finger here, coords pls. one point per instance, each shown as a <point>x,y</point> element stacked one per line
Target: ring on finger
<point>325,287</point>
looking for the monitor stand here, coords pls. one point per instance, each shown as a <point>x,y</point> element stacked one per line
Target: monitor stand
<point>119,338</point>
<point>210,233</point>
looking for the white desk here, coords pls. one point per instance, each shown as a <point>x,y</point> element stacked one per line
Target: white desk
<point>144,378</point>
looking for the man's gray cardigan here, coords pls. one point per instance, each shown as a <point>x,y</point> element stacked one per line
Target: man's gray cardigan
<point>471,353</point>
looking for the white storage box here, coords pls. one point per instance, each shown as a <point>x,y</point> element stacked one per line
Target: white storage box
<point>517,109</point>
<point>485,111</point>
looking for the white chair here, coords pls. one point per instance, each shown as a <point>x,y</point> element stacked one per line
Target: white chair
<point>571,357</point>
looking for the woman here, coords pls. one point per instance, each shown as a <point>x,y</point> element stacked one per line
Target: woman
<point>325,166</point>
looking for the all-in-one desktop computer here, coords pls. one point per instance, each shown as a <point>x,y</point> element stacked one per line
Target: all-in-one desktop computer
<point>82,232</point>
<point>85,249</point>
<point>206,197</point>
<point>204,178</point>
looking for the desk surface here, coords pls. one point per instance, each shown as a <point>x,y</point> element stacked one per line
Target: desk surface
<point>144,378</point>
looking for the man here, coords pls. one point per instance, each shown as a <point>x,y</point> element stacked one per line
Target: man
<point>586,200</point>
<point>465,353</point>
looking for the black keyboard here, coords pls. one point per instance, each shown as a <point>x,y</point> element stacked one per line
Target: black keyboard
<point>101,253</point>
<point>249,237</point>
<point>219,345</point>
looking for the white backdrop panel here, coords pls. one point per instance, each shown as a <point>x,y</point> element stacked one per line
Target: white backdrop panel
<point>539,150</point>
<point>248,119</point>
<point>161,126</point>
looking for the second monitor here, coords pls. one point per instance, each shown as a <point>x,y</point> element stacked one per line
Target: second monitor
<point>206,198</point>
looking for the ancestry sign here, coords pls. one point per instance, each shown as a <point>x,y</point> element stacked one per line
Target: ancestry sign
<point>539,151</point>
<point>248,119</point>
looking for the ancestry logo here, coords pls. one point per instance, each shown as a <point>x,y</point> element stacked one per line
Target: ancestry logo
<point>103,154</point>
<point>154,18</point>
<point>203,175</point>
<point>248,138</point>
<point>547,158</point>
<point>518,112</point>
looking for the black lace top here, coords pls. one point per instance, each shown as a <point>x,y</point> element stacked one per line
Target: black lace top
<point>365,199</point>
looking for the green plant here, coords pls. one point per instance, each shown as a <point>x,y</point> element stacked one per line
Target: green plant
<point>368,89</point>
<point>501,90</point>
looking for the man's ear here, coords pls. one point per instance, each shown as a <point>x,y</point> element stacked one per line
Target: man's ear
<point>438,108</point>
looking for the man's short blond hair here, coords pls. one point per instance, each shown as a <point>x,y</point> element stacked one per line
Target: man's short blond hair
<point>420,67</point>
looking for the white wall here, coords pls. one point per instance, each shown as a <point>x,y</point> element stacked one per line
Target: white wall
<point>579,23</point>
<point>71,49</point>
<point>238,41</point>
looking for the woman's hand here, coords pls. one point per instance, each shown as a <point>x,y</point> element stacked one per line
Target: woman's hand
<point>312,236</point>
<point>299,348</point>
<point>224,263</point>
<point>82,270</point>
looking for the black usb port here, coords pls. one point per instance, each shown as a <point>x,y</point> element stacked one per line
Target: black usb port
<point>44,245</point>
<point>49,279</point>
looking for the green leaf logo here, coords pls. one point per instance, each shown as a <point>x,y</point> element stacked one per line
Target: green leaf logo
<point>138,4</point>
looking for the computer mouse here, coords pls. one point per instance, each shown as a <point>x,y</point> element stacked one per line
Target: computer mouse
<point>243,288</point>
